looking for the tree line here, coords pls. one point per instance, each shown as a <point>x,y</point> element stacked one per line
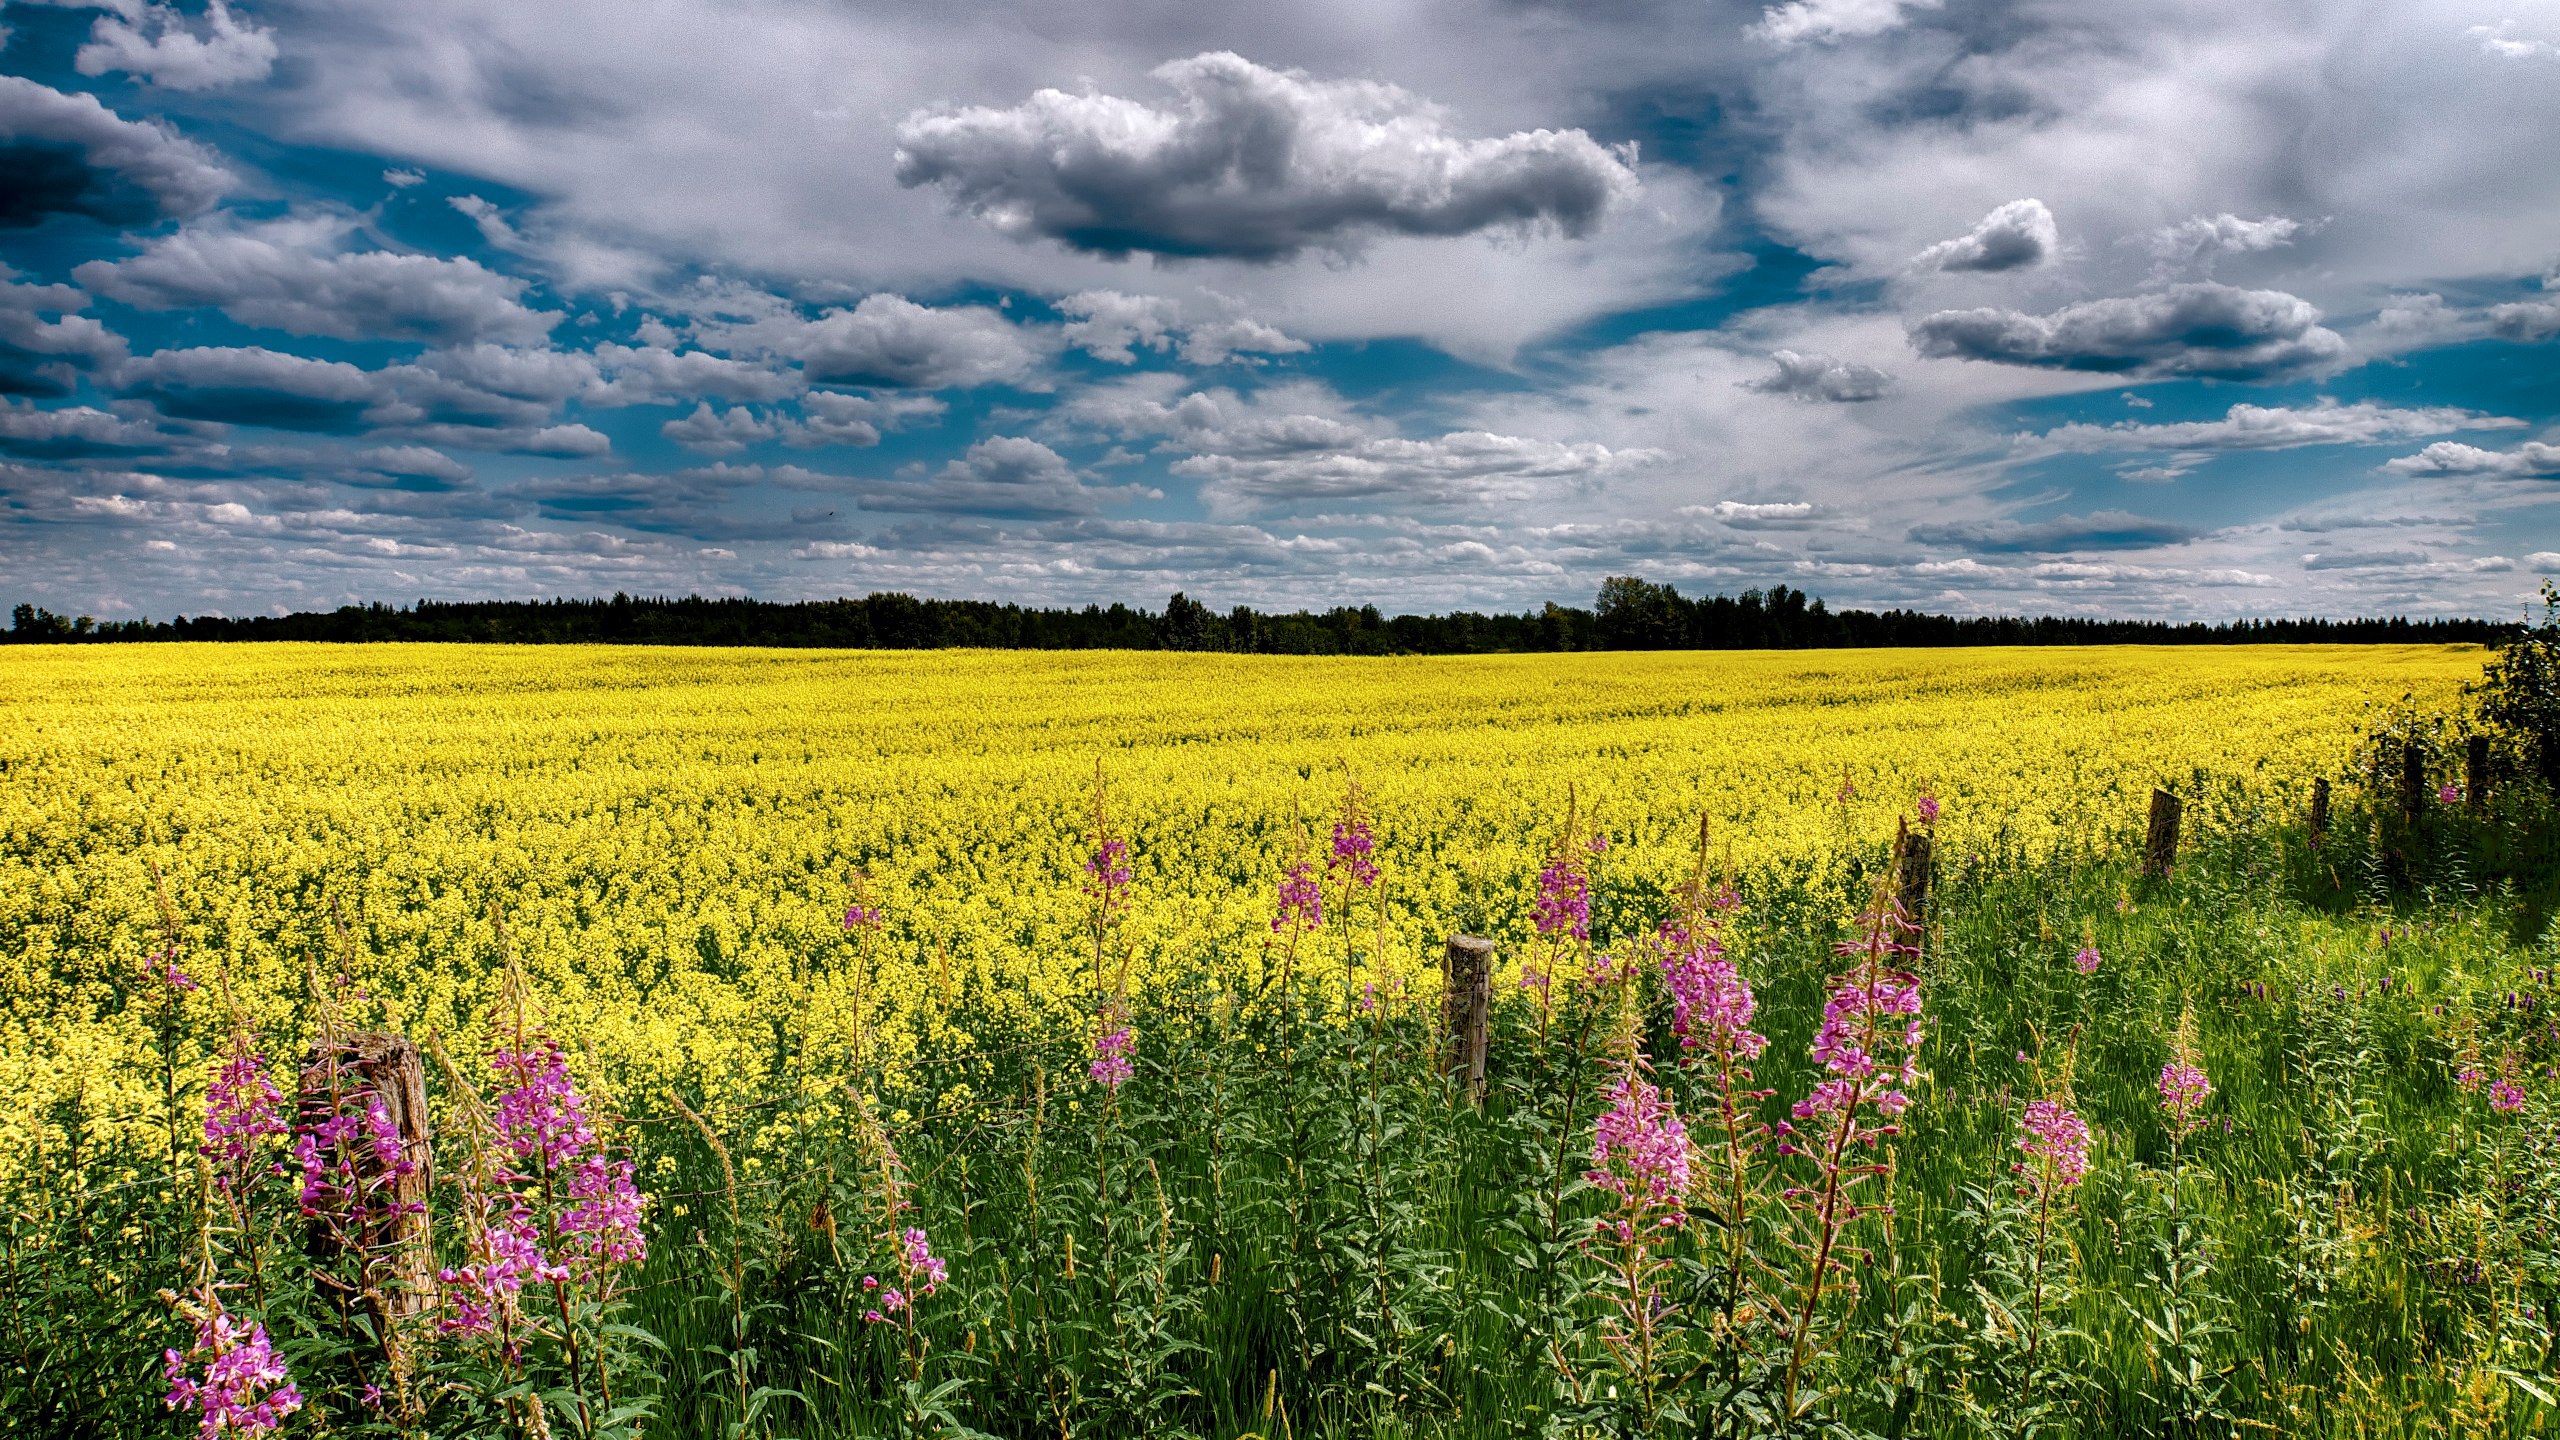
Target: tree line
<point>1629,613</point>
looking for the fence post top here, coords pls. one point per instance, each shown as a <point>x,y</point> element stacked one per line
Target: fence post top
<point>1472,944</point>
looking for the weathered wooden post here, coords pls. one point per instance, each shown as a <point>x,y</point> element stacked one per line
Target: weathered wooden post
<point>1911,875</point>
<point>1466,1008</point>
<point>2160,846</point>
<point>2413,781</point>
<point>2319,809</point>
<point>391,1239</point>
<point>2475,772</point>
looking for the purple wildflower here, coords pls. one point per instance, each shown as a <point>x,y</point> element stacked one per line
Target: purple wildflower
<point>2056,1137</point>
<point>2449,794</point>
<point>326,1152</point>
<point>243,1388</point>
<point>1928,808</point>
<point>1109,867</point>
<point>163,967</point>
<point>863,917</point>
<point>2183,1089</point>
<point>1111,1051</point>
<point>511,1258</point>
<point>1711,1004</point>
<point>602,1225</point>
<point>918,1259</point>
<point>1352,846</point>
<point>1301,899</point>
<point>2505,1096</point>
<point>1564,900</point>
<point>240,1108</point>
<point>2086,962</point>
<point>541,1116</point>
<point>1640,1151</point>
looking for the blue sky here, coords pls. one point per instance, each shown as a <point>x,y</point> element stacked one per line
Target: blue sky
<point>2200,308</point>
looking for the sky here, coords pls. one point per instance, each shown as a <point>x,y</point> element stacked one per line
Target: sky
<point>2185,309</point>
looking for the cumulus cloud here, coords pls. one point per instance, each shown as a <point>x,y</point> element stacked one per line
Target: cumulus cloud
<point>2018,236</point>
<point>415,463</point>
<point>2199,329</point>
<point>1763,515</point>
<point>719,432</point>
<point>250,385</point>
<point>1251,163</point>
<point>2101,530</point>
<point>1821,377</point>
<point>2534,459</point>
<point>1109,325</point>
<point>2203,237</point>
<point>45,357</point>
<point>1467,467</point>
<point>2502,41</point>
<point>831,417</point>
<point>156,43</point>
<point>2363,560</point>
<point>1823,20</point>
<point>2264,427</point>
<point>889,340</point>
<point>642,374</point>
<point>1004,476</point>
<point>295,274</point>
<point>76,432</point>
<point>70,155</point>
<point>2525,319</point>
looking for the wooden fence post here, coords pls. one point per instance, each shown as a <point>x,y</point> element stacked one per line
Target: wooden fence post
<point>1911,877</point>
<point>2319,809</point>
<point>1466,1008</point>
<point>2413,782</point>
<point>393,1244</point>
<point>2160,846</point>
<point>2475,772</point>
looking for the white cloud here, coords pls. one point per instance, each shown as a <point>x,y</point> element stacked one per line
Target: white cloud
<point>295,274</point>
<point>2502,41</point>
<point>2532,459</point>
<point>423,462</point>
<point>719,432</point>
<point>1252,163</point>
<point>1003,476</point>
<point>567,442</point>
<point>1470,467</point>
<point>2202,237</point>
<point>2018,236</point>
<point>2263,427</point>
<point>1802,20</point>
<point>890,340</point>
<point>399,179</point>
<point>831,417</point>
<point>1112,326</point>
<point>160,46</point>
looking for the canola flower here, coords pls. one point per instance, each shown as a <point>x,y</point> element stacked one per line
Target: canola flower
<point>668,831</point>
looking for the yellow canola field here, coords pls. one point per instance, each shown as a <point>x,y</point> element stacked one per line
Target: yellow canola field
<point>671,835</point>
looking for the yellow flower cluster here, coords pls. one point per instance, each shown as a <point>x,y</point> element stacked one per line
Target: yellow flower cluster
<point>671,837</point>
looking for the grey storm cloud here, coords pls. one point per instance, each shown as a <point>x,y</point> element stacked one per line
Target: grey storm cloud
<point>70,155</point>
<point>1821,377</point>
<point>2200,329</point>
<point>295,275</point>
<point>2102,530</point>
<point>2017,236</point>
<point>484,396</point>
<point>43,357</point>
<point>1250,163</point>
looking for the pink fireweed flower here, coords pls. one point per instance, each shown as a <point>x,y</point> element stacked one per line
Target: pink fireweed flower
<point>2086,962</point>
<point>1711,1004</point>
<point>163,967</point>
<point>1533,978</point>
<point>243,1389</point>
<point>602,1225</point>
<point>1352,846</point>
<point>2505,1096</point>
<point>241,1107</point>
<point>2469,1078</point>
<point>2449,795</point>
<point>916,1256</point>
<point>1639,1150</point>
<point>863,917</point>
<point>1928,808</point>
<point>2056,1136</point>
<point>541,1115</point>
<point>1109,868</point>
<point>511,1258</point>
<point>2183,1089</point>
<point>326,1152</point>
<point>1871,1028</point>
<point>1564,900</point>
<point>1301,899</point>
<point>1111,1052</point>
